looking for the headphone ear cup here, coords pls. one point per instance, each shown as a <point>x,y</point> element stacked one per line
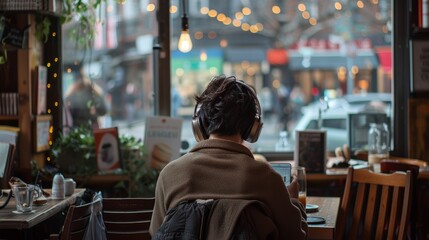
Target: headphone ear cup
<point>254,131</point>
<point>196,129</point>
<point>200,133</point>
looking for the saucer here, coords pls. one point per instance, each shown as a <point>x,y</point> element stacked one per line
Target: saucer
<point>315,220</point>
<point>29,212</point>
<point>311,208</point>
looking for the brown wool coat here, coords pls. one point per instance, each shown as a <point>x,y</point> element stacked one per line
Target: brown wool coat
<point>218,169</point>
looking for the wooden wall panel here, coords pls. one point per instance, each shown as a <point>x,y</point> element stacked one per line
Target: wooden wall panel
<point>419,129</point>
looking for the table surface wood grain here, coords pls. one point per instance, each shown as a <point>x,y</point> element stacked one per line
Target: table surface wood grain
<point>328,209</point>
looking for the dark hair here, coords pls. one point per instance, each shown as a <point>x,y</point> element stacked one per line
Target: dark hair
<point>227,107</point>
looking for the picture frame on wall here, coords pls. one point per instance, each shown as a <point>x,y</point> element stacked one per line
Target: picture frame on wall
<point>419,66</point>
<point>310,150</point>
<point>42,135</point>
<point>39,106</point>
<point>107,149</point>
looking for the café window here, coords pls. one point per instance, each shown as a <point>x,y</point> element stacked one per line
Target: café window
<point>294,53</point>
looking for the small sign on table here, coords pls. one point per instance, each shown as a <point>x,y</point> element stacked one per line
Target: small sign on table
<point>310,150</point>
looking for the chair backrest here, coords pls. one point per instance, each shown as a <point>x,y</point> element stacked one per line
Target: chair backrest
<point>390,166</point>
<point>76,221</point>
<point>128,218</point>
<point>375,205</point>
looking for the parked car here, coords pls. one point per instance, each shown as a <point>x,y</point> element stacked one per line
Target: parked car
<point>334,118</point>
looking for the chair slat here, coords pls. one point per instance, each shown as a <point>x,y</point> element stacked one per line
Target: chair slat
<point>393,213</point>
<point>382,213</point>
<point>131,216</point>
<point>126,226</point>
<point>357,213</point>
<point>345,205</point>
<point>369,213</point>
<point>77,235</point>
<point>79,224</point>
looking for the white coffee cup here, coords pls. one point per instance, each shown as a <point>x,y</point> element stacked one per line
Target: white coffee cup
<point>70,186</point>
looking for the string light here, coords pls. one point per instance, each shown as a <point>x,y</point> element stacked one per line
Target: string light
<point>150,7</point>
<point>203,56</point>
<point>275,9</point>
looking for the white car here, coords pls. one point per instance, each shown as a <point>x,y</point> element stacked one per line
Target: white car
<point>334,119</point>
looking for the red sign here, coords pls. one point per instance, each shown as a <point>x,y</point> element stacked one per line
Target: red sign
<point>277,56</point>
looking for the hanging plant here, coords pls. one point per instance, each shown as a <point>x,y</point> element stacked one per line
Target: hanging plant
<point>83,15</point>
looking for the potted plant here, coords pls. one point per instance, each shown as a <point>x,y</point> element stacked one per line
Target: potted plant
<point>74,154</point>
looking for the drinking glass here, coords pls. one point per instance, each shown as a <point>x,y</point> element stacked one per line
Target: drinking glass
<point>298,173</point>
<point>23,198</point>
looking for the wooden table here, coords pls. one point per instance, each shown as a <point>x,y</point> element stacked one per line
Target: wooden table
<point>328,209</point>
<point>10,220</point>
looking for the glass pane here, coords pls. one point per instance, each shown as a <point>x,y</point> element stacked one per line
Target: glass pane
<point>117,65</point>
<point>294,53</point>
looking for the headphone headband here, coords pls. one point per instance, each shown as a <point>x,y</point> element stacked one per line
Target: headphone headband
<point>252,134</point>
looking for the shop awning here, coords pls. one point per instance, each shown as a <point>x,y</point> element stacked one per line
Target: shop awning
<point>385,57</point>
<point>332,60</point>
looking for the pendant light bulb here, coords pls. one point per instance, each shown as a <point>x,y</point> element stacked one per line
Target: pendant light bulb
<point>185,43</point>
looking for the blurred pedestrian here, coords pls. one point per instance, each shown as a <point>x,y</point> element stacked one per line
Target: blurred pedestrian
<point>130,102</point>
<point>85,101</point>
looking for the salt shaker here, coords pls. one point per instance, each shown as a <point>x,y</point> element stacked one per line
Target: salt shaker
<point>58,188</point>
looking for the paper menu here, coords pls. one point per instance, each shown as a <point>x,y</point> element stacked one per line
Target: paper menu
<point>162,140</point>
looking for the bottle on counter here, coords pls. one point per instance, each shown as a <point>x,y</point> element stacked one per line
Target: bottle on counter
<point>378,143</point>
<point>58,187</point>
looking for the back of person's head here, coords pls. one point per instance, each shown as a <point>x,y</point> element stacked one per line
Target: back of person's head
<point>227,107</point>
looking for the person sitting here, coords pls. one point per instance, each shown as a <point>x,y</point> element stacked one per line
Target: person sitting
<point>220,166</point>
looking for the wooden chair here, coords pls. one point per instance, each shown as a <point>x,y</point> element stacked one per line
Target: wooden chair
<point>76,221</point>
<point>375,205</point>
<point>128,218</point>
<point>391,166</point>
